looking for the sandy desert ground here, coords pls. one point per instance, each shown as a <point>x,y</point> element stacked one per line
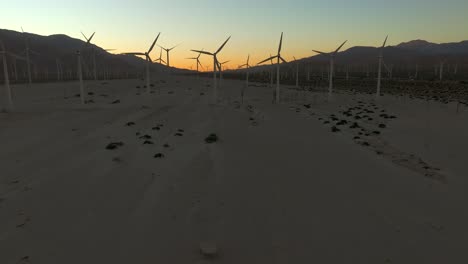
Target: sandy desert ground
<point>305,181</point>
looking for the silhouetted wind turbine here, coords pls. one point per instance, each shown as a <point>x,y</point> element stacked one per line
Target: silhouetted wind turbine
<point>332,61</point>
<point>148,61</point>
<point>160,59</point>
<point>220,68</point>
<point>278,57</point>
<point>167,54</point>
<point>247,67</point>
<point>215,64</point>
<point>9,100</point>
<point>379,77</point>
<point>197,60</point>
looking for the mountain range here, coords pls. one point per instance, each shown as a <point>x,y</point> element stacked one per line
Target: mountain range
<point>46,49</point>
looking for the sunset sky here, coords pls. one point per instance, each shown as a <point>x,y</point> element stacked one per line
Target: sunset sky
<point>255,26</point>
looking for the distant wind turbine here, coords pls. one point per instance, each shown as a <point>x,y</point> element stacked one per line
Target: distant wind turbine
<point>148,61</point>
<point>167,54</point>
<point>297,72</point>
<point>215,64</point>
<point>9,102</point>
<point>332,61</point>
<point>379,77</point>
<point>160,59</point>
<point>278,57</point>
<point>247,67</point>
<point>28,51</point>
<point>197,60</point>
<point>220,68</point>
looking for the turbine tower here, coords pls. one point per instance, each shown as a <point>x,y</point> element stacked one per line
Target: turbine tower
<point>379,77</point>
<point>148,61</point>
<point>278,58</point>
<point>215,64</point>
<point>332,61</point>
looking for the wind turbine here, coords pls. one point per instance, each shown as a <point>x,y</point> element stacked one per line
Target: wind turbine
<point>9,106</point>
<point>148,61</point>
<point>93,53</point>
<point>28,62</point>
<point>220,68</point>
<point>278,57</point>
<point>160,59</point>
<point>441,68</point>
<point>247,67</point>
<point>198,61</point>
<point>215,64</point>
<point>379,77</point>
<point>167,53</point>
<point>332,61</point>
<point>297,72</point>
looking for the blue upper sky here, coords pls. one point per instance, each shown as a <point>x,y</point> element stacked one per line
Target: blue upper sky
<point>255,25</point>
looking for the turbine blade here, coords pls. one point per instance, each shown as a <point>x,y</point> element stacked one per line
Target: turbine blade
<point>133,53</point>
<point>199,54</point>
<point>204,52</point>
<point>222,46</point>
<point>154,42</point>
<point>90,38</point>
<point>199,63</point>
<point>338,49</point>
<point>248,58</point>
<point>84,36</point>
<point>269,59</point>
<point>385,41</point>
<point>175,46</point>
<point>320,52</point>
<point>284,61</point>
<point>281,43</point>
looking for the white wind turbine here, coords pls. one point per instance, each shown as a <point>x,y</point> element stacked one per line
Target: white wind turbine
<point>278,57</point>
<point>379,77</point>
<point>332,61</point>
<point>297,72</point>
<point>148,61</point>
<point>28,61</point>
<point>215,64</point>
<point>93,53</point>
<point>441,68</point>
<point>9,102</point>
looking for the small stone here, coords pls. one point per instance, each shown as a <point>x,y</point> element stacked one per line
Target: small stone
<point>208,250</point>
